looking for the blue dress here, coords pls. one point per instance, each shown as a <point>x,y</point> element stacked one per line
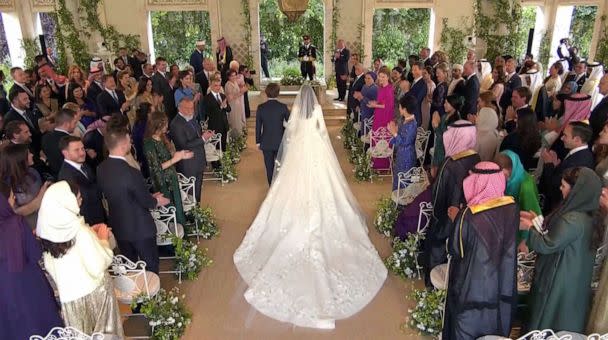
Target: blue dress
<point>404,145</point>
<point>369,93</point>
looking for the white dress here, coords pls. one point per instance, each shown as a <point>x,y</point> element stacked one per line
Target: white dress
<point>307,258</point>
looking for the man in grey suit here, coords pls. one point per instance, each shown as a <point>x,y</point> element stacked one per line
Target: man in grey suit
<point>185,131</point>
<point>269,128</point>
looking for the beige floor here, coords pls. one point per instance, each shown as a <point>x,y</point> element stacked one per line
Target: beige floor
<point>216,298</point>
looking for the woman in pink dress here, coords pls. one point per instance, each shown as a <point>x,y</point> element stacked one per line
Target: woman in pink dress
<point>383,111</point>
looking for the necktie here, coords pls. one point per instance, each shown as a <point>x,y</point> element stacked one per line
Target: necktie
<point>28,119</point>
<point>29,92</point>
<point>83,170</point>
<point>115,96</point>
<point>219,99</point>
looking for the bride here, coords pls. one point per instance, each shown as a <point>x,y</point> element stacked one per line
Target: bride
<point>307,258</point>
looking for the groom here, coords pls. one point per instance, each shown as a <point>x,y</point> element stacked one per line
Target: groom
<point>269,127</point>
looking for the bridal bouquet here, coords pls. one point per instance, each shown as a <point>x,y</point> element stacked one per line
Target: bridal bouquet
<point>402,261</point>
<point>386,216</point>
<point>204,222</point>
<point>426,316</point>
<point>166,313</point>
<point>189,258</point>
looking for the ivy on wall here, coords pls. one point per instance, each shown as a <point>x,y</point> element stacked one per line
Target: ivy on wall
<point>32,49</point>
<point>398,33</point>
<point>544,53</point>
<point>246,12</point>
<point>601,53</point>
<point>112,38</point>
<point>61,62</point>
<point>360,47</point>
<point>71,35</point>
<point>496,30</point>
<point>335,21</point>
<point>453,39</point>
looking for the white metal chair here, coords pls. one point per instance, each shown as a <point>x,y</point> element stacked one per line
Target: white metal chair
<point>213,153</point>
<point>131,279</point>
<point>422,140</point>
<point>597,266</point>
<point>424,220</point>
<point>525,271</point>
<point>380,148</point>
<point>409,185</point>
<point>545,334</point>
<point>440,278</point>
<point>67,333</point>
<point>166,225</point>
<point>187,191</point>
<point>367,128</point>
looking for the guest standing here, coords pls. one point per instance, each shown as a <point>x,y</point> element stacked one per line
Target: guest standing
<point>340,60</point>
<point>418,89</point>
<point>235,97</point>
<point>223,56</point>
<point>498,86</point>
<point>369,93</point>
<point>160,84</point>
<point>138,133</point>
<point>565,242</point>
<point>525,141</point>
<point>196,58</point>
<point>451,107</point>
<point>383,112</point>
<point>77,257</point>
<point>27,302</point>
<point>404,138</point>
<point>157,150</point>
<point>486,122</point>
<point>65,122</point>
<point>216,108</point>
<point>471,90</point>
<point>482,287</point>
<point>77,95</point>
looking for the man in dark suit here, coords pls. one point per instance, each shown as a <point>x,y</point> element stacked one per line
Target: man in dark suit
<point>223,56</point>
<point>513,82</point>
<point>129,202</point>
<point>269,120</point>
<point>576,138</point>
<point>95,87</point>
<point>599,115</point>
<point>520,98</point>
<point>137,61</point>
<point>418,89</point>
<point>579,76</point>
<point>307,54</point>
<point>340,59</point>
<point>355,87</point>
<point>186,134</point>
<point>65,122</point>
<point>202,78</point>
<point>20,103</point>
<point>160,84</point>
<point>76,170</point>
<point>216,108</point>
<point>471,90</point>
<point>196,58</point>
<point>111,100</point>
<point>424,56</point>
<point>19,80</point>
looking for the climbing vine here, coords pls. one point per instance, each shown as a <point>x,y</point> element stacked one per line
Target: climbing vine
<point>112,38</point>
<point>70,34</point>
<point>497,30</point>
<point>246,12</point>
<point>32,49</point>
<point>61,62</point>
<point>544,53</point>
<point>452,40</point>
<point>360,48</point>
<point>601,54</point>
<point>335,21</point>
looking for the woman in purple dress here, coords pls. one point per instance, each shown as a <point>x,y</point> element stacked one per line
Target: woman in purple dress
<point>369,93</point>
<point>383,111</point>
<point>404,138</point>
<point>27,303</point>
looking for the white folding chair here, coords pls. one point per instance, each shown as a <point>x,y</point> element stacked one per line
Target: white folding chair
<point>422,140</point>
<point>525,271</point>
<point>67,333</point>
<point>424,220</point>
<point>545,334</point>
<point>597,266</point>
<point>213,153</point>
<point>367,128</point>
<point>440,278</point>
<point>167,227</point>
<point>409,185</point>
<point>380,148</point>
<point>187,186</point>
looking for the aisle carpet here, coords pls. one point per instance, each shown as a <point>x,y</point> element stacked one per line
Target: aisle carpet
<point>216,299</point>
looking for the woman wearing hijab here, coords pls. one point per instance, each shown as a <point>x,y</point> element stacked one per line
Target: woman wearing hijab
<point>27,303</point>
<point>485,75</point>
<point>369,93</point>
<point>481,290</point>
<point>487,123</point>
<point>598,317</point>
<point>522,187</point>
<point>565,243</point>
<point>459,143</point>
<point>77,256</point>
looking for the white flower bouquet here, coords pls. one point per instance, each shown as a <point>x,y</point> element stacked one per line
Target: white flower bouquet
<point>426,316</point>
<point>204,221</point>
<point>402,261</point>
<point>189,258</point>
<point>386,216</point>
<point>166,313</point>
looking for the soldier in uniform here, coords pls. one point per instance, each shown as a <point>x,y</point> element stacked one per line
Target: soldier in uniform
<point>307,55</point>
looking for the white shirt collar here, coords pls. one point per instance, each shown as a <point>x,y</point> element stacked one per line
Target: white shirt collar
<point>111,92</point>
<point>416,80</point>
<point>61,130</point>
<point>118,157</point>
<point>216,94</point>
<point>21,112</point>
<point>77,166</point>
<point>186,118</point>
<point>575,150</point>
<point>523,107</point>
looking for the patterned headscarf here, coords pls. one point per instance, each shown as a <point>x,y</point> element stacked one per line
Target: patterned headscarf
<point>576,107</point>
<point>460,136</point>
<point>485,183</point>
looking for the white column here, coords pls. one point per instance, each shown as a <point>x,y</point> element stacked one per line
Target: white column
<point>561,29</point>
<point>254,14</point>
<point>327,43</point>
<point>368,21</point>
<point>13,37</point>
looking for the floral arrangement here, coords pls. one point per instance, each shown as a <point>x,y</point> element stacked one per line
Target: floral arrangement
<point>386,216</point>
<point>426,316</point>
<point>349,134</point>
<point>228,169</point>
<point>291,76</point>
<point>166,313</point>
<point>204,222</point>
<point>363,169</point>
<point>356,153</point>
<point>189,259</point>
<point>402,261</point>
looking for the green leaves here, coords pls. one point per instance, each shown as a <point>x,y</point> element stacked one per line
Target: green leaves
<point>205,222</point>
<point>426,316</point>
<point>386,216</point>
<point>175,34</point>
<point>166,313</point>
<point>399,32</point>
<point>189,258</point>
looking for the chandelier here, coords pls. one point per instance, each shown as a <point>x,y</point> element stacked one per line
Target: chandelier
<point>293,9</point>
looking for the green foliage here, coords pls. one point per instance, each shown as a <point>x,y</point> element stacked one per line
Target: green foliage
<point>189,259</point>
<point>284,37</point>
<point>71,36</point>
<point>452,41</point>
<point>426,316</point>
<point>496,30</point>
<point>61,63</point>
<point>359,44</point>
<point>291,76</point>
<point>528,21</point>
<point>398,33</point>
<point>581,29</point>
<point>165,312</point>
<point>245,11</point>
<point>175,34</point>
<point>205,224</point>
<point>386,216</point>
<point>112,38</point>
<point>601,54</point>
<point>544,53</point>
<point>335,21</point>
<point>402,262</point>
<point>356,153</point>
<point>32,49</point>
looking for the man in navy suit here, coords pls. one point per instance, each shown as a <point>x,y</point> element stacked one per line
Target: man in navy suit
<point>269,120</point>
<point>471,89</point>
<point>513,82</point>
<point>576,138</point>
<point>599,115</point>
<point>340,59</point>
<point>355,86</point>
<point>418,89</point>
<point>111,99</point>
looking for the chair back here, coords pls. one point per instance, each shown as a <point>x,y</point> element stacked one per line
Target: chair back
<point>424,218</point>
<point>213,148</point>
<point>166,224</point>
<point>409,185</point>
<point>525,271</point>
<point>422,140</point>
<point>597,266</point>
<point>380,143</point>
<point>67,333</point>
<point>187,191</point>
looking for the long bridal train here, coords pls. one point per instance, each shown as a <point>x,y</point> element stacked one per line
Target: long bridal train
<point>307,258</point>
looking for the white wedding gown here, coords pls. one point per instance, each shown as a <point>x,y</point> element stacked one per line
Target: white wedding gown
<point>307,258</point>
